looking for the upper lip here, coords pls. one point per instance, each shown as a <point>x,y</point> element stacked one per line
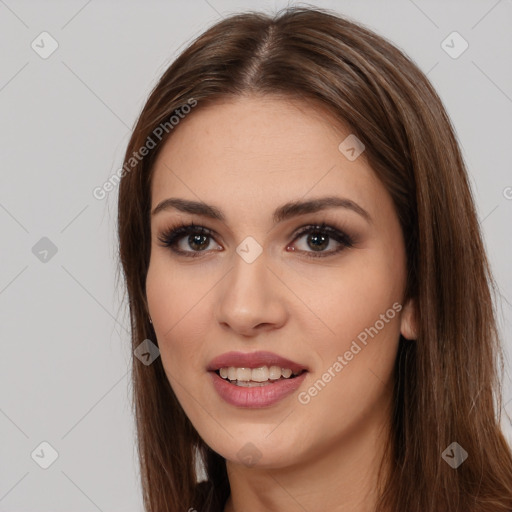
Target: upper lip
<point>252,360</point>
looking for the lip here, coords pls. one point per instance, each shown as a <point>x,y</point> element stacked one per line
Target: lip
<point>252,360</point>
<point>258,396</point>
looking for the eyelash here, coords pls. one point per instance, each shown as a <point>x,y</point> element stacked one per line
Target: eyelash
<point>173,235</point>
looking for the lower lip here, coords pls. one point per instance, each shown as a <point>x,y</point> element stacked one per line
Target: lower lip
<point>257,396</point>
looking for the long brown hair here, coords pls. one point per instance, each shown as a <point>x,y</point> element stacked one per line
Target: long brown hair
<point>447,385</point>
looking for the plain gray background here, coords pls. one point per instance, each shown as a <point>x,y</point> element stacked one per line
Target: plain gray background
<point>66,120</point>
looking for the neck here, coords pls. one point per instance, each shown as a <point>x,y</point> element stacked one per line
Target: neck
<point>342,478</point>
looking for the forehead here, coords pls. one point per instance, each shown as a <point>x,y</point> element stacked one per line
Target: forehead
<point>260,150</point>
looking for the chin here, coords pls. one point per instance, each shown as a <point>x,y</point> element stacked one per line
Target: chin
<point>258,450</point>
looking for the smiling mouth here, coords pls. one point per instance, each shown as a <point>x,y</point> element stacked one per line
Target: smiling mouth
<point>255,377</point>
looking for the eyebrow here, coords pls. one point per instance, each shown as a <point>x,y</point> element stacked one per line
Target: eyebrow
<point>284,212</point>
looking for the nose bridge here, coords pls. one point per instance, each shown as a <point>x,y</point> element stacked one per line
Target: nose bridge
<point>250,295</point>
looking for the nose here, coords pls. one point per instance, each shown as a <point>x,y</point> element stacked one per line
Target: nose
<point>251,299</point>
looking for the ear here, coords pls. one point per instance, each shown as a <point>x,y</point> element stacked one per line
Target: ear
<point>409,320</point>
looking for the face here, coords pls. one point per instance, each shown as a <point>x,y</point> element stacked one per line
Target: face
<point>321,288</point>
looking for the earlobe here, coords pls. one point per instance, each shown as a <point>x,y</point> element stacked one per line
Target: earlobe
<point>409,320</point>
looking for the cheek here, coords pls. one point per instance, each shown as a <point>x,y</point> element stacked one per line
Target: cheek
<point>177,300</point>
<point>352,376</point>
<point>162,285</point>
<point>172,292</point>
<point>352,298</point>
<point>167,300</point>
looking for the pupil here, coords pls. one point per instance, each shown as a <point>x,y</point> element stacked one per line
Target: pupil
<point>322,245</point>
<point>195,239</point>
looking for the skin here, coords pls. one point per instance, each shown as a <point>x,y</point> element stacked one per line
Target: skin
<point>247,156</point>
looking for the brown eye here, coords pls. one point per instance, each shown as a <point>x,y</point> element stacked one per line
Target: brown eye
<point>198,239</point>
<point>319,238</point>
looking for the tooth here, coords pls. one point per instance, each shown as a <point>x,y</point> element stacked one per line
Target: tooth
<point>286,372</point>
<point>243,374</point>
<point>251,384</point>
<point>274,373</point>
<point>260,374</point>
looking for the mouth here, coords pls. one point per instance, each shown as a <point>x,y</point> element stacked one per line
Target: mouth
<point>254,377</point>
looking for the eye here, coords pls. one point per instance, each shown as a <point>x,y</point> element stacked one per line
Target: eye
<point>319,237</point>
<point>198,238</point>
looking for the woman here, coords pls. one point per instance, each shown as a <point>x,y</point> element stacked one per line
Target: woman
<point>299,239</point>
